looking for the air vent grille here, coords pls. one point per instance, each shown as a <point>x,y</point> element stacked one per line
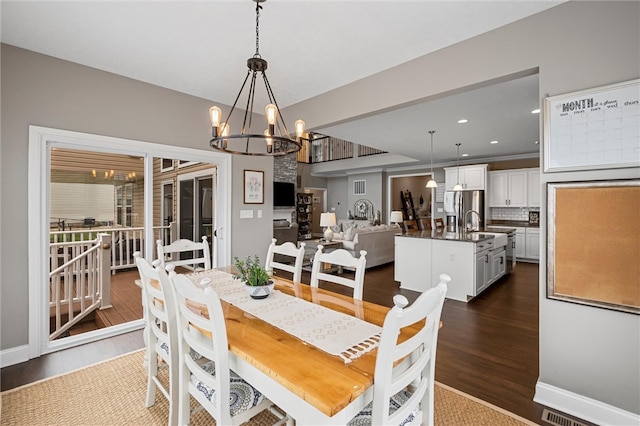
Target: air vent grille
<point>558,419</point>
<point>359,187</point>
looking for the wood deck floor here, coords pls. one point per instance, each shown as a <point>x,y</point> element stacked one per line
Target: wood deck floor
<point>126,302</point>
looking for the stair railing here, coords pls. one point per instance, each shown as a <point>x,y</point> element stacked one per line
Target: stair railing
<point>79,281</point>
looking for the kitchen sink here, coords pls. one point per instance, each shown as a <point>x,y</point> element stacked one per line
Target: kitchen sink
<point>499,238</point>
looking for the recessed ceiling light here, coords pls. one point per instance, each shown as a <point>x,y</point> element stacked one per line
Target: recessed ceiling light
<point>493,142</point>
<point>536,111</point>
<point>465,155</point>
<point>462,121</point>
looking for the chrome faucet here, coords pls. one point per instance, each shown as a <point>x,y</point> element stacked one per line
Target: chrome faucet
<point>468,225</point>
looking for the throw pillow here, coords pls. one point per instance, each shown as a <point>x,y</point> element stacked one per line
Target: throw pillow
<point>349,233</point>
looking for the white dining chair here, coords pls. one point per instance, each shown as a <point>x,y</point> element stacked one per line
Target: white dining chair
<point>286,251</point>
<point>342,259</point>
<point>220,391</point>
<point>160,333</point>
<point>403,382</point>
<point>170,254</point>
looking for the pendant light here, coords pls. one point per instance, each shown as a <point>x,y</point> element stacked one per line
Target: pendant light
<point>432,182</point>
<point>275,140</point>
<point>458,187</point>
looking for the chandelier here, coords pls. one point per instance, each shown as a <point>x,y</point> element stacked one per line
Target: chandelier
<point>276,139</point>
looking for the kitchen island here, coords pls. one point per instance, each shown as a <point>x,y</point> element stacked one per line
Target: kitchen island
<point>474,260</point>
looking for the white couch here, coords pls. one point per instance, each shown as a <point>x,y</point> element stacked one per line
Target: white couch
<point>378,241</point>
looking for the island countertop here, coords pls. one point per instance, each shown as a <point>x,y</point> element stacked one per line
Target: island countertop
<point>466,237</point>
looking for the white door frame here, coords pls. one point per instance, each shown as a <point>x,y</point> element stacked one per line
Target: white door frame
<point>40,139</point>
<point>390,195</point>
<point>193,176</point>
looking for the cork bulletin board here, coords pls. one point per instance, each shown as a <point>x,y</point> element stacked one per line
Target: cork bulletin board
<point>593,239</point>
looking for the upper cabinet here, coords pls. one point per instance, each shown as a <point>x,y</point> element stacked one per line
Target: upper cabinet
<point>471,177</point>
<point>533,193</point>
<point>508,188</point>
<point>514,188</point>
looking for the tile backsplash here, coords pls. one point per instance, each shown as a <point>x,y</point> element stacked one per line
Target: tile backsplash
<point>511,213</point>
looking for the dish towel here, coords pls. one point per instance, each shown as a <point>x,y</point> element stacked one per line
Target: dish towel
<point>333,332</point>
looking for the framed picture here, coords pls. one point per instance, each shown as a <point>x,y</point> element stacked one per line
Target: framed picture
<point>597,128</point>
<point>253,187</point>
<point>592,243</point>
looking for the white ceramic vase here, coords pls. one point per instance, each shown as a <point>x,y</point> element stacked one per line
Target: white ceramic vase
<point>259,292</point>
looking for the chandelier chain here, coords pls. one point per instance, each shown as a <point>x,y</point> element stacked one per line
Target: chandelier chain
<point>258,7</point>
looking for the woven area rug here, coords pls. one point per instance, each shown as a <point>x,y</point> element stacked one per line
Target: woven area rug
<point>113,393</point>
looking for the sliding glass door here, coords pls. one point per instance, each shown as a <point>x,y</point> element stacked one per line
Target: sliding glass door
<point>196,207</point>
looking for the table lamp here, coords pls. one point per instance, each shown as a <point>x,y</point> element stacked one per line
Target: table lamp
<point>328,220</point>
<point>396,217</point>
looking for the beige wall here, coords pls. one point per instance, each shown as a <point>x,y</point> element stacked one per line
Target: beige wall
<point>578,45</point>
<point>44,91</point>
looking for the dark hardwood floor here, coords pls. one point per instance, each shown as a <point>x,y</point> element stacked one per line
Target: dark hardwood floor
<point>487,348</point>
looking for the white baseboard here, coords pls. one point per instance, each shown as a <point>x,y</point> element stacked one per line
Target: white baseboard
<point>14,355</point>
<point>582,407</point>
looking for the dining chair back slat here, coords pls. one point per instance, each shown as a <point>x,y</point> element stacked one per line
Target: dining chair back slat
<point>291,252</point>
<point>201,255</point>
<point>343,259</point>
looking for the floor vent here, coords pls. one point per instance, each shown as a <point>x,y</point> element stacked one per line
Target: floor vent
<point>559,419</point>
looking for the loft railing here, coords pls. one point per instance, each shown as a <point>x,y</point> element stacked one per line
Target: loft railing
<point>321,148</point>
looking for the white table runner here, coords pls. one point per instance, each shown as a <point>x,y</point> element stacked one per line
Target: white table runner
<point>330,331</point>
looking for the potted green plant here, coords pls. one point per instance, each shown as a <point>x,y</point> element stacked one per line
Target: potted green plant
<point>255,277</point>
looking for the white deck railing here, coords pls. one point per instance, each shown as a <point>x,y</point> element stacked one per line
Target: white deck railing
<point>81,262</point>
<point>79,281</point>
<point>124,241</point>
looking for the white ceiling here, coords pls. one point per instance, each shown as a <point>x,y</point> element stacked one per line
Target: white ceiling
<point>201,47</point>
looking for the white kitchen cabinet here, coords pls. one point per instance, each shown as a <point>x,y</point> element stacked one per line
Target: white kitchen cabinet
<point>532,243</point>
<point>498,264</point>
<point>508,188</point>
<point>483,271</point>
<point>420,261</point>
<point>521,244</point>
<point>411,266</point>
<point>533,188</point>
<point>471,177</point>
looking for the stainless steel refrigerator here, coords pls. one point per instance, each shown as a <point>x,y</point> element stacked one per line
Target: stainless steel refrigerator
<point>462,208</point>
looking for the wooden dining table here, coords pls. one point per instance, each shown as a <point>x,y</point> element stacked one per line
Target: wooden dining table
<point>312,386</point>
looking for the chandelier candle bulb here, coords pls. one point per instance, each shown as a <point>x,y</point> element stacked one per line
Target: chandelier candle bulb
<point>216,115</point>
<point>269,141</point>
<point>300,128</point>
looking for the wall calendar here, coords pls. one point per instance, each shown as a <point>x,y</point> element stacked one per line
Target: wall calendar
<point>593,129</point>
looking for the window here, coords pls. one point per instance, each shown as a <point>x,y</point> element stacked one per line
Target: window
<point>166,164</point>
